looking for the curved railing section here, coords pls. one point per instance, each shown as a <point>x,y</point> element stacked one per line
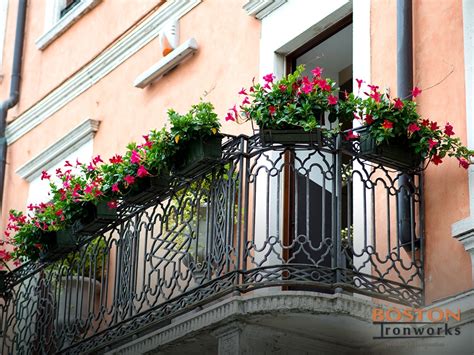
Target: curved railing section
<point>310,217</point>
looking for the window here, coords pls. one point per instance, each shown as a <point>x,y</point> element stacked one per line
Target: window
<point>60,15</point>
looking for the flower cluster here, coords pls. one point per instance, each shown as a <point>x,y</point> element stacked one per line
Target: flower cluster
<point>295,101</point>
<point>76,184</point>
<point>396,121</point>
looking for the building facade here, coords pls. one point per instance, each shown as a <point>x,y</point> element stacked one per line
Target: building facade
<point>253,260</point>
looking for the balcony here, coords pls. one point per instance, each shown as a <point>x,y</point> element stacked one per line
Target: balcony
<point>291,217</point>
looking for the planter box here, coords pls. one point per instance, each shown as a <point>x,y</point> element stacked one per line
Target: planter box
<point>395,156</point>
<point>58,244</point>
<point>147,188</point>
<point>95,218</point>
<point>290,136</point>
<point>198,155</point>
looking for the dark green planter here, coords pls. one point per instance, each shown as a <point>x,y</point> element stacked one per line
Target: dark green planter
<point>147,188</point>
<point>57,244</point>
<point>393,155</point>
<point>198,155</point>
<point>290,136</point>
<point>95,218</point>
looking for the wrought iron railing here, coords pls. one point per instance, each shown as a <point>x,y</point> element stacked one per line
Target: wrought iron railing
<point>297,217</point>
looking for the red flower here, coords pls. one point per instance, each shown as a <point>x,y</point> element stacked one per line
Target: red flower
<point>129,179</point>
<point>464,163</point>
<point>359,83</point>
<point>448,130</point>
<point>432,143</point>
<point>350,136</point>
<point>268,78</point>
<point>59,212</point>
<point>141,172</point>
<point>5,255</point>
<point>398,104</point>
<point>112,204</point>
<point>282,87</point>
<point>115,188</point>
<point>387,124</point>
<point>242,92</point>
<point>116,159</point>
<point>433,126</point>
<point>425,123</point>
<point>332,100</point>
<point>90,167</point>
<point>436,159</point>
<point>272,110</point>
<point>88,189</point>
<point>415,92</point>
<point>45,175</point>
<point>317,71</point>
<point>413,127</point>
<point>369,119</point>
<point>135,158</point>
<point>307,86</point>
<point>376,96</point>
<point>246,101</point>
<point>67,163</point>
<point>324,85</point>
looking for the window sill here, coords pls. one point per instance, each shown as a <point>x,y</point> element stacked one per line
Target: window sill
<point>65,22</point>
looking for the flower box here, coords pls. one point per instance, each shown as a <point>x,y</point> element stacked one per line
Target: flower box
<point>58,244</point>
<point>290,136</point>
<point>198,154</point>
<point>393,155</point>
<point>95,218</point>
<point>147,188</point>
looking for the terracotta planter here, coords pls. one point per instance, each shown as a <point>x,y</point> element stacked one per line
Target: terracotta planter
<point>290,136</point>
<point>147,188</point>
<point>393,155</point>
<point>198,155</point>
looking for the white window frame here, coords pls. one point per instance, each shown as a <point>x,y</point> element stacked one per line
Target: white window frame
<point>55,25</point>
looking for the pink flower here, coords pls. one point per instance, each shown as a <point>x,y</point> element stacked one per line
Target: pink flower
<point>317,71</point>
<point>307,88</point>
<point>272,110</point>
<point>229,117</point>
<point>88,189</point>
<point>436,159</point>
<point>448,130</point>
<point>282,87</point>
<point>242,92</point>
<point>359,83</point>
<point>432,143</point>
<point>413,127</point>
<point>268,78</point>
<point>90,167</point>
<point>332,100</point>
<point>112,204</point>
<point>129,179</point>
<point>387,124</point>
<point>415,92</point>
<point>373,87</point>
<point>67,163</point>
<point>97,160</point>
<point>246,101</point>
<point>324,85</point>
<point>45,175</point>
<point>398,104</point>
<point>376,96</point>
<point>464,163</point>
<point>141,172</point>
<point>135,157</point>
<point>5,255</point>
<point>115,187</point>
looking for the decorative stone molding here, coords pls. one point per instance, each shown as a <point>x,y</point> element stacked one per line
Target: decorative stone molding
<point>261,8</point>
<point>102,65</point>
<point>463,231</point>
<point>59,150</point>
<point>243,307</point>
<point>60,26</point>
